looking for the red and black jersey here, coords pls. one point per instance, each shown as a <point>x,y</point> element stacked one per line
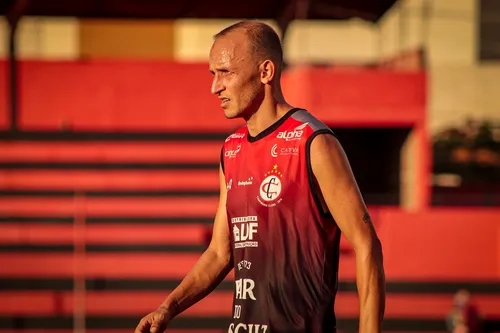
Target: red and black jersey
<point>285,246</point>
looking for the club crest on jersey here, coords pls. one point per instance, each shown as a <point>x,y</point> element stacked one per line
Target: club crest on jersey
<point>270,188</point>
<point>296,134</point>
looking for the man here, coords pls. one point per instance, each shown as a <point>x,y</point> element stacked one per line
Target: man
<point>464,315</point>
<point>286,194</point>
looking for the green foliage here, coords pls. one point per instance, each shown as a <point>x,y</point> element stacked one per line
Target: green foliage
<point>471,151</point>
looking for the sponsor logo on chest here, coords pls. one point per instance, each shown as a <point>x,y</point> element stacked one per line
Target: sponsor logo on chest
<point>245,229</point>
<point>232,153</point>
<point>283,151</point>
<point>235,136</point>
<point>295,134</point>
<point>247,182</point>
<point>247,328</point>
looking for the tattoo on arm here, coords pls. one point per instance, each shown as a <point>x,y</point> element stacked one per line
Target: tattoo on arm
<point>367,218</point>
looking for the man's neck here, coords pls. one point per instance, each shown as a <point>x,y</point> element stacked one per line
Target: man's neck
<point>269,112</point>
<point>265,117</point>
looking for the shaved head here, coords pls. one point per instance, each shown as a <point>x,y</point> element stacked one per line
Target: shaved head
<point>264,42</point>
<point>246,63</point>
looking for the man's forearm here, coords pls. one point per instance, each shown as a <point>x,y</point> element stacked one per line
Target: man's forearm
<point>209,271</point>
<point>371,289</point>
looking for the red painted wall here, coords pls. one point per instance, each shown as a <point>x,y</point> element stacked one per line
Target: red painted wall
<point>359,97</point>
<point>441,244</point>
<point>115,96</point>
<point>133,95</point>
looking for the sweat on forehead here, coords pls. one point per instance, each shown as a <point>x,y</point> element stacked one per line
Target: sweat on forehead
<point>231,49</point>
<point>237,40</point>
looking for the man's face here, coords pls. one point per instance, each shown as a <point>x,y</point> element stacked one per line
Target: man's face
<point>236,75</point>
<point>462,298</point>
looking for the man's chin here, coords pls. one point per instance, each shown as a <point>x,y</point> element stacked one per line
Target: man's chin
<point>231,114</point>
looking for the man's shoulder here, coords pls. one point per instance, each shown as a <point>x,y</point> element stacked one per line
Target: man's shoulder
<point>303,119</point>
<point>304,127</point>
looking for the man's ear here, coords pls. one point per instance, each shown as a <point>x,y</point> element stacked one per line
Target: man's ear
<point>267,71</point>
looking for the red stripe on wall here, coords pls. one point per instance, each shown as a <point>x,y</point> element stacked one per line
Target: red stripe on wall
<point>207,152</point>
<point>170,330</point>
<point>435,245</point>
<point>219,303</point>
<point>110,179</point>
<point>155,207</point>
<point>11,233</point>
<point>109,265</point>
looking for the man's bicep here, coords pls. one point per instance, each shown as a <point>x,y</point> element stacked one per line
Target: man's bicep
<point>220,236</point>
<point>339,189</point>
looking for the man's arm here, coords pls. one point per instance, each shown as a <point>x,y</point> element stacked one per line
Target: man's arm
<point>341,194</point>
<point>208,272</point>
<point>212,267</point>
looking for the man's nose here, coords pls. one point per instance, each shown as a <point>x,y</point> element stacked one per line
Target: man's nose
<point>217,85</point>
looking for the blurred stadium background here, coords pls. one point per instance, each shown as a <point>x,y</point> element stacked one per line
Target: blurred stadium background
<point>110,141</point>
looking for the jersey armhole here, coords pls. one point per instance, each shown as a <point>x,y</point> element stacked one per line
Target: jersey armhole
<point>222,158</point>
<point>313,185</point>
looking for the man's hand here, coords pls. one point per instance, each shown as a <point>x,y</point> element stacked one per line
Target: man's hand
<point>154,322</point>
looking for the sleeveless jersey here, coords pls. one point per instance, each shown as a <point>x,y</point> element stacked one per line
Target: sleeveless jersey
<point>285,246</point>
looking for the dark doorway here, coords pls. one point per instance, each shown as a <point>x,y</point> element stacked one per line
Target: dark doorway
<point>375,157</point>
